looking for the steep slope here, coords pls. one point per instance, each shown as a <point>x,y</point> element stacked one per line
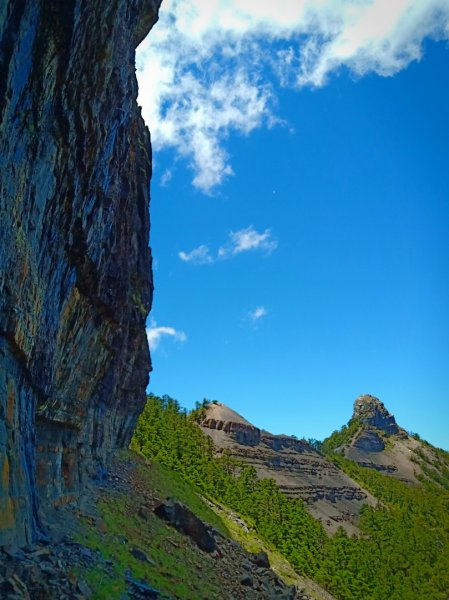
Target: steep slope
<point>124,549</point>
<point>400,553</point>
<point>75,267</point>
<point>177,565</point>
<point>295,465</point>
<point>373,439</point>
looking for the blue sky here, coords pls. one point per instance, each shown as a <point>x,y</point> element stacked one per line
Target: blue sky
<point>300,211</point>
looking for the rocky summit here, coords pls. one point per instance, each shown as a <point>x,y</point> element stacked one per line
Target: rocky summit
<point>371,411</point>
<point>373,439</point>
<point>299,469</point>
<point>75,266</point>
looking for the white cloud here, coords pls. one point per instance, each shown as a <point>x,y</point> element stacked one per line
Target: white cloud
<point>248,239</point>
<point>210,67</point>
<point>155,333</point>
<point>197,256</point>
<point>257,313</point>
<point>166,177</point>
<point>239,241</point>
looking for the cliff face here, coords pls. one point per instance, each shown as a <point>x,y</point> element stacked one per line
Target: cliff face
<point>295,465</point>
<point>75,267</point>
<point>372,412</point>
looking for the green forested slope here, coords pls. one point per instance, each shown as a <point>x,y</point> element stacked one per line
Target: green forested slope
<point>402,554</point>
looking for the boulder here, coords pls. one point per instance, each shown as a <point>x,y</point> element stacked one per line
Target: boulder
<point>186,522</point>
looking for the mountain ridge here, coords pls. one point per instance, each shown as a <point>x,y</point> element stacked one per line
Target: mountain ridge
<point>295,465</point>
<point>372,439</point>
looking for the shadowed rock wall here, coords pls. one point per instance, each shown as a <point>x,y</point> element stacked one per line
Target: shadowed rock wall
<point>75,267</point>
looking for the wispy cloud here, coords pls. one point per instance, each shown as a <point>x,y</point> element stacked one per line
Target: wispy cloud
<point>240,241</point>
<point>257,313</point>
<point>248,239</point>
<point>211,67</point>
<point>166,177</point>
<point>155,333</point>
<point>197,256</point>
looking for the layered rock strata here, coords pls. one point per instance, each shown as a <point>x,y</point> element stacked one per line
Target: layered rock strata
<point>242,433</point>
<point>295,465</point>
<point>75,267</point>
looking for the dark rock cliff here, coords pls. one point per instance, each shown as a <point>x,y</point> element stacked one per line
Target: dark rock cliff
<point>371,411</point>
<point>75,267</point>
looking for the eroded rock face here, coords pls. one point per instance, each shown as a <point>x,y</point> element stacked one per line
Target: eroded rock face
<point>298,469</point>
<point>371,411</point>
<point>240,432</point>
<point>369,441</point>
<point>285,442</point>
<point>75,267</point>
<point>220,417</point>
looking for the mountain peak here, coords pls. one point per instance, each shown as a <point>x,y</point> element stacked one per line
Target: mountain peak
<point>371,411</point>
<point>221,412</point>
<point>222,418</point>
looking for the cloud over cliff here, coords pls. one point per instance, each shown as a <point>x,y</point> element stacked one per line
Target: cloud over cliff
<point>212,67</point>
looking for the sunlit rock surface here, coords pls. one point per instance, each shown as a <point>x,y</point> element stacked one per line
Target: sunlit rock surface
<point>379,443</point>
<point>75,267</point>
<point>295,465</point>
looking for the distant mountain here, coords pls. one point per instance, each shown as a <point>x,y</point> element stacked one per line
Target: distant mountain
<point>371,477</point>
<point>297,467</point>
<point>373,439</point>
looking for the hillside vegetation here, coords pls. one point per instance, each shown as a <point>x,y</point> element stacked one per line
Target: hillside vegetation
<point>340,437</point>
<point>401,554</point>
<point>135,541</point>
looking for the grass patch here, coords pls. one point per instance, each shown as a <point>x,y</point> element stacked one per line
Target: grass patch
<point>177,567</point>
<point>104,584</point>
<point>168,484</point>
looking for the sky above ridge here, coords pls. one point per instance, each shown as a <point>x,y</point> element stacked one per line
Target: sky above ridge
<point>300,208</point>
